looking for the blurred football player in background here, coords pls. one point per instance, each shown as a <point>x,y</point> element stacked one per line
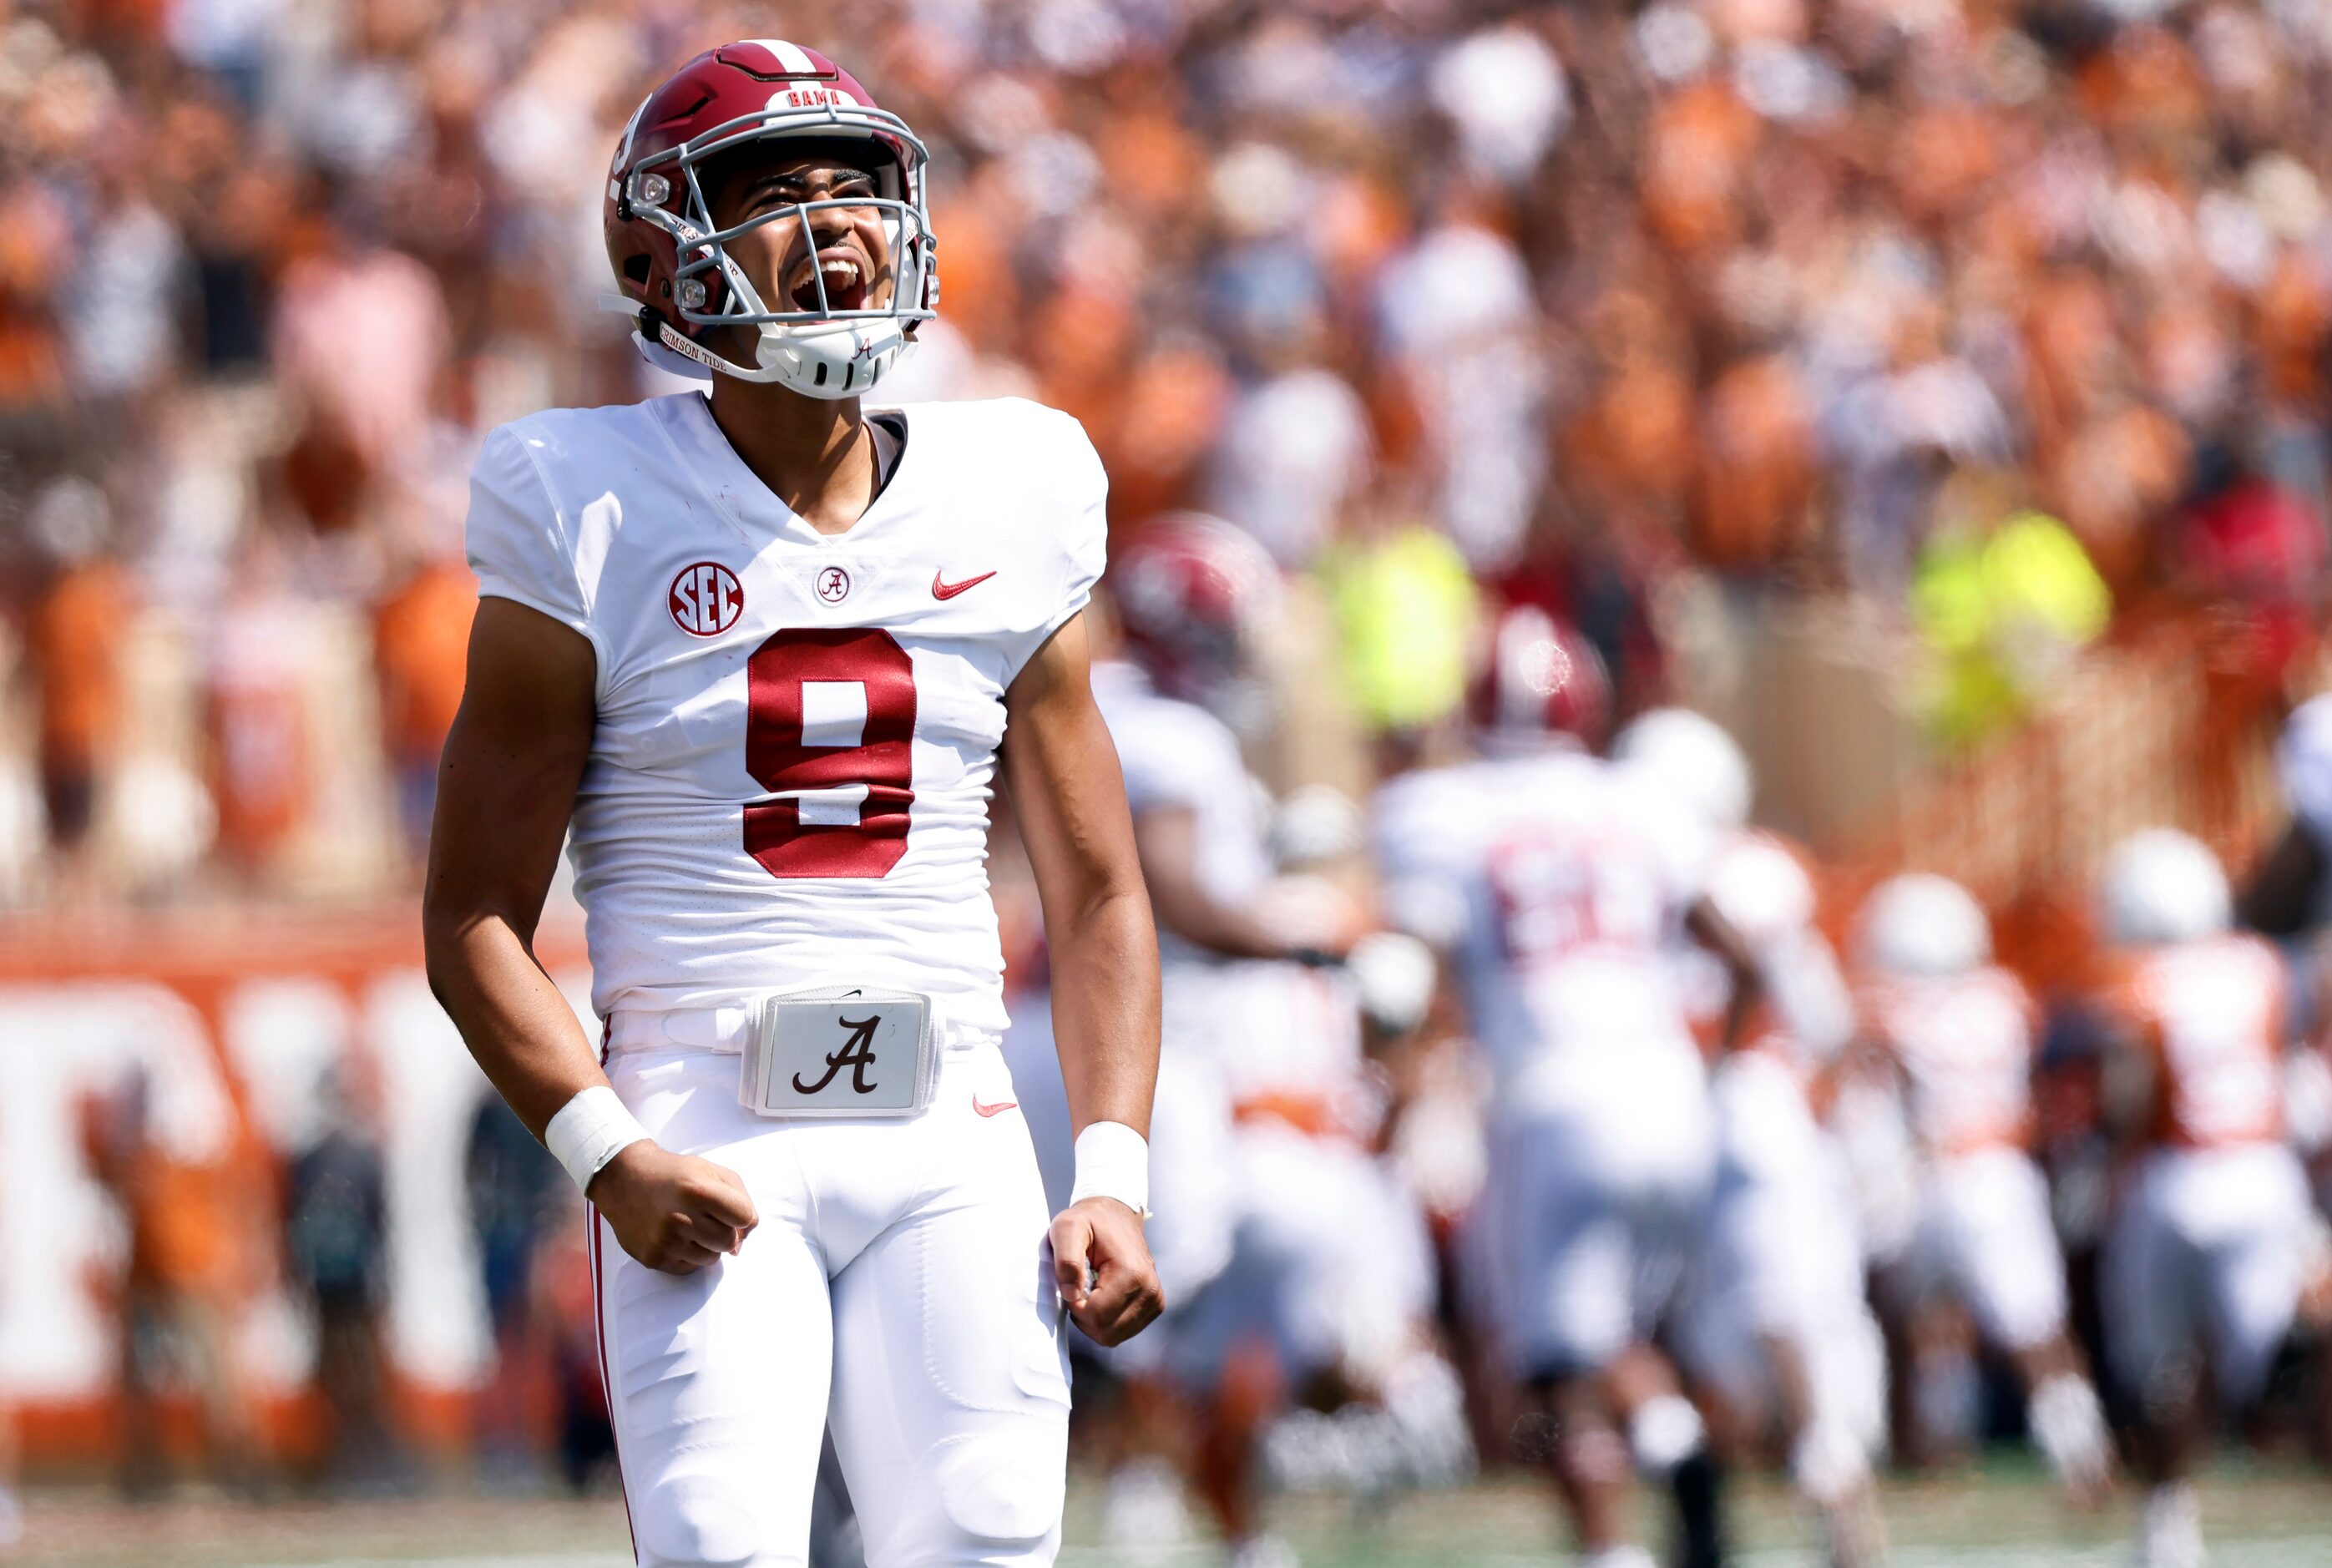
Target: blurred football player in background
<point>1956,1032</point>
<point>2214,1241</point>
<point>1555,887</point>
<point>1775,1328</point>
<point>1297,1267</point>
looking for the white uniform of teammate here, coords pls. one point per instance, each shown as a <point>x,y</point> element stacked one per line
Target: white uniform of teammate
<point>1558,889</point>
<point>1248,1144</point>
<point>2212,1243</point>
<point>788,788</point>
<point>1782,1261</point>
<point>1963,1047</point>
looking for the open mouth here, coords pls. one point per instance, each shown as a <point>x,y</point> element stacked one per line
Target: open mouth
<point>844,274</point>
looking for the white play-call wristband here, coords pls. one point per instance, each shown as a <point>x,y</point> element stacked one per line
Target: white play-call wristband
<point>590,1130</point>
<point>1113,1161</point>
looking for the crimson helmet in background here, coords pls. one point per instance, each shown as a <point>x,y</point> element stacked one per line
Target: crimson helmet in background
<point>1193,594</point>
<point>672,263</point>
<point>1541,680</point>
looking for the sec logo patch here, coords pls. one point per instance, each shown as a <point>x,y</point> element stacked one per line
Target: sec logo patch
<point>706,599</point>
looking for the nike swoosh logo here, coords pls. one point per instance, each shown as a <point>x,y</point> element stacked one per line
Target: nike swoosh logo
<point>987,1110</point>
<point>943,589</point>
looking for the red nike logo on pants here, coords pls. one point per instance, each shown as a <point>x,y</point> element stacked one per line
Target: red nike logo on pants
<point>987,1110</point>
<point>943,589</point>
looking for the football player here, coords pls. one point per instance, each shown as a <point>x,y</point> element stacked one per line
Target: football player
<point>755,653</point>
<point>1555,886</point>
<point>1956,1031</point>
<point>1322,1258</point>
<point>2213,1240</point>
<point>1775,1323</point>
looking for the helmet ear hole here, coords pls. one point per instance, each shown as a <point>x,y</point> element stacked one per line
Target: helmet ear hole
<point>636,269</point>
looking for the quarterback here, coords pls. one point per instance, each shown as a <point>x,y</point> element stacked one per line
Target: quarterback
<point>760,656</point>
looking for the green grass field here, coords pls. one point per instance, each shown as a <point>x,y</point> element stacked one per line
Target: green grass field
<point>2004,1517</point>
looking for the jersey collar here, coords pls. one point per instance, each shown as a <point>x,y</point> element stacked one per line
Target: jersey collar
<point>737,492</point>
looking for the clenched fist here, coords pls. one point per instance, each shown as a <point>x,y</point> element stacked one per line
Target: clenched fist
<point>674,1212</point>
<point>1101,1262</point>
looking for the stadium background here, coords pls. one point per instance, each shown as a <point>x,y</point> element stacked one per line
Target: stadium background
<point>1932,391</point>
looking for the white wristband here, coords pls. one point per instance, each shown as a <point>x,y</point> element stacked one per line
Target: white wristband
<point>1113,1161</point>
<point>590,1130</point>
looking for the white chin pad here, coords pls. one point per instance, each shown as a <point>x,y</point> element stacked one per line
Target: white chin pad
<point>842,361</point>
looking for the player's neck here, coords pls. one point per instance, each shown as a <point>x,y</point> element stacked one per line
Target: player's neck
<point>813,455</point>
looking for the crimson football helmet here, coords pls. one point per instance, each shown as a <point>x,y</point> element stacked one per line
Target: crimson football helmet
<point>1541,679</point>
<point>672,261</point>
<point>1193,594</point>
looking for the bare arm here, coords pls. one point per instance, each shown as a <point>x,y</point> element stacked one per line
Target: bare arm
<point>1069,798</point>
<point>1168,837</point>
<point>505,789</point>
<point>1709,928</point>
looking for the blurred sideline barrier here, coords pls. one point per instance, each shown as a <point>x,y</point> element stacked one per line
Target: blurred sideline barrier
<point>158,1075</point>
<point>2172,722</point>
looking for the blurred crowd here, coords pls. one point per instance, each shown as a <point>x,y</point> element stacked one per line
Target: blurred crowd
<point>2004,325</point>
<point>2004,321</point>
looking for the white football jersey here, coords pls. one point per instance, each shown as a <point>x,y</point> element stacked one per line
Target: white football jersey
<point>1965,1046</point>
<point>1764,890</point>
<point>1177,755</point>
<point>1559,887</point>
<point>797,734</point>
<point>1269,1026</point>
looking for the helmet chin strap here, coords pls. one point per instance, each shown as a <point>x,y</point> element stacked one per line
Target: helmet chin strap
<point>656,353</point>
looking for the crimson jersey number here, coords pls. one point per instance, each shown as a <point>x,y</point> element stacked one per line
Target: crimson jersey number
<point>831,711</point>
<point>1557,895</point>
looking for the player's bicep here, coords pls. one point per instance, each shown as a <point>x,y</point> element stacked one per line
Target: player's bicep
<point>1061,769</point>
<point>513,762</point>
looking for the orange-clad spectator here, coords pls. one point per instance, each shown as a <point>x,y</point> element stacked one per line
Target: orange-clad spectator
<point>1162,419</point>
<point>177,1289</point>
<point>979,295</point>
<point>2119,473</point>
<point>1753,502</point>
<point>421,635</point>
<point>1697,151</point>
<point>32,245</point>
<point>2292,315</point>
<point>74,638</point>
<point>260,771</point>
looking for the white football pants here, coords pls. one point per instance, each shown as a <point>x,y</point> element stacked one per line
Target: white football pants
<point>2209,1249</point>
<point>1600,1166</point>
<point>898,1285</point>
<point>1986,1236</point>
